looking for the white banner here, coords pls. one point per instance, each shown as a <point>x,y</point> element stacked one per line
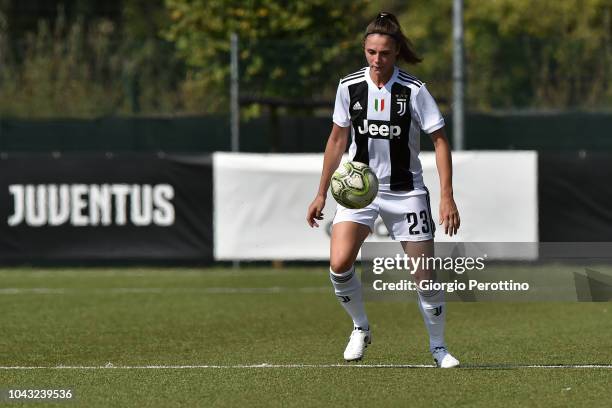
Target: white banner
<point>260,202</point>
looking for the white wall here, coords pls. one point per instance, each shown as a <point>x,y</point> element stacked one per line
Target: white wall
<point>260,202</point>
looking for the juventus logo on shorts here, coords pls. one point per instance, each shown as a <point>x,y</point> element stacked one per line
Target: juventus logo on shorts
<point>402,106</point>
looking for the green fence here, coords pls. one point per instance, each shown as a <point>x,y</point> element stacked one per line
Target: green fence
<point>554,131</point>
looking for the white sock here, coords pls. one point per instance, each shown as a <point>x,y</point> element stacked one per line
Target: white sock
<point>433,309</point>
<point>348,291</point>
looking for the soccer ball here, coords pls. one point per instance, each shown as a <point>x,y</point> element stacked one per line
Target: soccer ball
<point>354,185</point>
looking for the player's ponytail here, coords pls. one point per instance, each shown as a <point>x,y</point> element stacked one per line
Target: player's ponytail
<point>386,23</point>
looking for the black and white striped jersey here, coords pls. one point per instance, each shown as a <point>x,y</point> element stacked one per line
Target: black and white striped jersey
<point>385,125</point>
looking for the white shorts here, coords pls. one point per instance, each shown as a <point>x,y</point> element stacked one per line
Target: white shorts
<point>407,217</point>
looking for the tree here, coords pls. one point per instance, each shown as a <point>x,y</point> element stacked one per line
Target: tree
<point>89,59</point>
<point>548,53</point>
<point>519,53</point>
<point>288,49</point>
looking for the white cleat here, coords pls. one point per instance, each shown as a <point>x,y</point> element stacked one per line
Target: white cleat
<point>443,358</point>
<point>357,344</point>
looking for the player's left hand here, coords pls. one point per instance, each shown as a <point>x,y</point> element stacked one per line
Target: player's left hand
<point>449,215</point>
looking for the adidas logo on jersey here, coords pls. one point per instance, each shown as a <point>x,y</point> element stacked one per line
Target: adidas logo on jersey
<point>357,106</point>
<point>383,130</point>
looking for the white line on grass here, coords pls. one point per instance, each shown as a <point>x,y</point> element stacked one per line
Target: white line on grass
<point>210,290</point>
<point>110,366</point>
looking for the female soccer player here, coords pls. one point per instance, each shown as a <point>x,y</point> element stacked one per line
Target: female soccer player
<point>385,108</point>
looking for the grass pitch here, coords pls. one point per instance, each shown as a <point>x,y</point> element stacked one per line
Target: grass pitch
<point>219,324</point>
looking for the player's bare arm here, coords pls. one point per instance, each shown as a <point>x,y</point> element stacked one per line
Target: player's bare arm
<point>449,215</point>
<point>336,144</point>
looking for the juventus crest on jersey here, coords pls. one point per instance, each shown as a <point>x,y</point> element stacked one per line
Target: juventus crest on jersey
<point>386,124</point>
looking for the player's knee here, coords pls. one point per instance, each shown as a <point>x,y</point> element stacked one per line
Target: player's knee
<point>340,265</point>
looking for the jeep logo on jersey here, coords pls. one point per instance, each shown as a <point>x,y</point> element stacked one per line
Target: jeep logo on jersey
<point>380,130</point>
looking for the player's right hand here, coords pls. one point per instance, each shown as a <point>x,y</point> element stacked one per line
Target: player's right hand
<point>315,211</point>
